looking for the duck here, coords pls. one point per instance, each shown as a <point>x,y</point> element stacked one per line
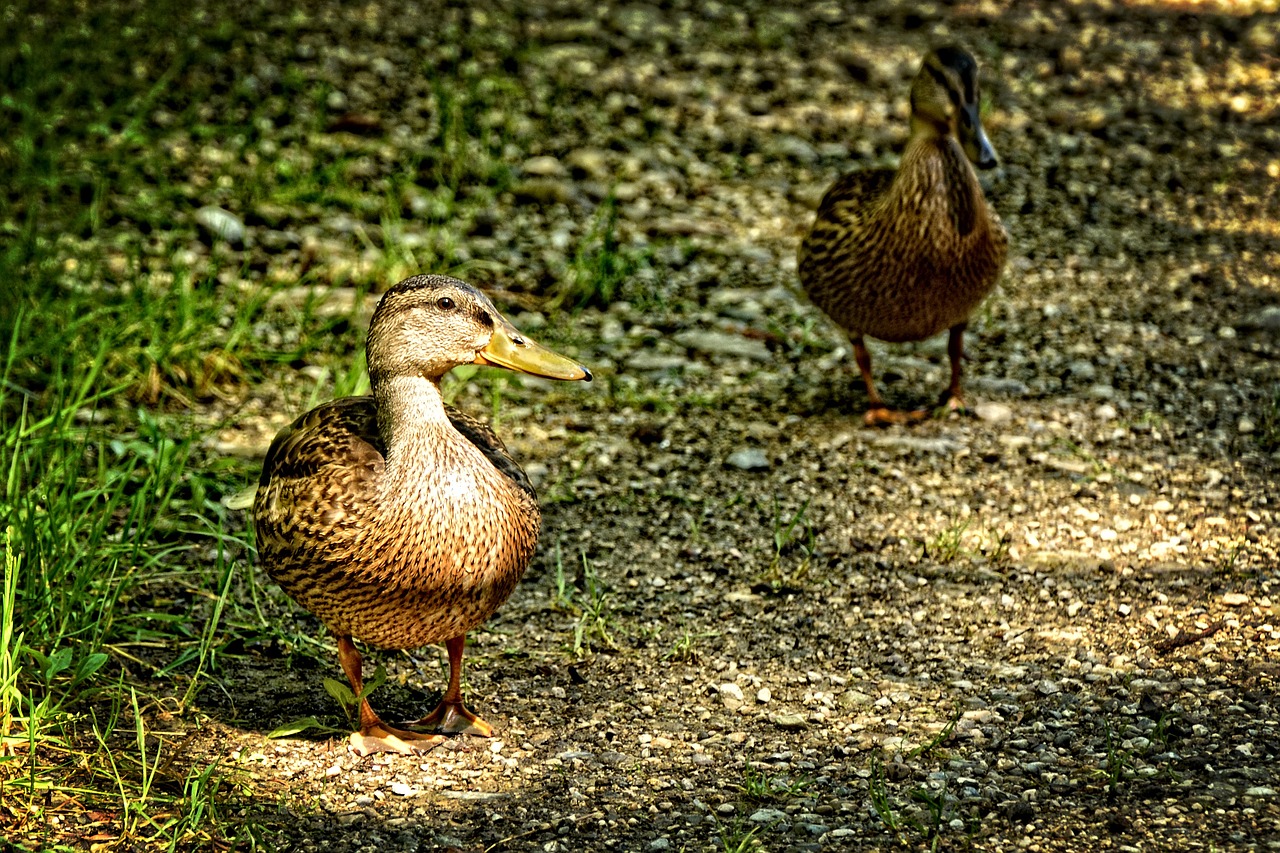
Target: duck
<point>396,519</point>
<point>904,255</point>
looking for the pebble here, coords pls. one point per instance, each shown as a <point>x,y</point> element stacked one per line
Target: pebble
<point>400,789</point>
<point>544,167</point>
<point>222,224</point>
<point>731,696</point>
<point>790,721</point>
<point>591,161</point>
<point>660,844</point>
<point>1265,320</point>
<point>748,459</point>
<point>1083,370</point>
<point>647,360</point>
<point>767,816</point>
<point>1246,426</point>
<point>993,413</point>
<point>919,444</point>
<point>991,385</point>
<point>763,695</point>
<point>710,342</point>
<point>1105,412</point>
<point>1235,599</point>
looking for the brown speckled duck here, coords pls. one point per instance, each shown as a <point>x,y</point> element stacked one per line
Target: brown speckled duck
<point>902,256</point>
<point>396,519</point>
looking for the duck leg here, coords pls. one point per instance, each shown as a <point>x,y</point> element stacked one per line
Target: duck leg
<point>952,398</point>
<point>451,715</point>
<point>375,735</point>
<point>878,414</point>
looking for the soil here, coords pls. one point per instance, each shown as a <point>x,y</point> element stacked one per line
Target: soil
<point>1048,624</point>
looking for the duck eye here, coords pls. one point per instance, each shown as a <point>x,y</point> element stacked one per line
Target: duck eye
<point>444,303</point>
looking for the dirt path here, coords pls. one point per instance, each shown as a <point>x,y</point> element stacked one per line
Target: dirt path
<point>1050,625</point>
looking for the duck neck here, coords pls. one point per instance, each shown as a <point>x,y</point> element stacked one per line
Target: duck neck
<point>411,419</point>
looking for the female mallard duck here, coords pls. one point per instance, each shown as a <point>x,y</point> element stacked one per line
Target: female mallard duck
<point>900,257</point>
<point>396,519</point>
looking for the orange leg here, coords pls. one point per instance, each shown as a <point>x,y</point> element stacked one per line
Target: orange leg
<point>451,716</point>
<point>375,735</point>
<point>955,353</point>
<point>878,414</point>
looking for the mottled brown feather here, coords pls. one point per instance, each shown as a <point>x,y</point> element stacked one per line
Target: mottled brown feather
<point>427,566</point>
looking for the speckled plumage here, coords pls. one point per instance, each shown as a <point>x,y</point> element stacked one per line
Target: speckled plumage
<point>902,256</point>
<point>398,570</point>
<point>396,519</point>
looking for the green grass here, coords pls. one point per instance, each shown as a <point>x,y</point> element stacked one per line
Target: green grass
<point>590,603</point>
<point>128,339</point>
<point>602,266</point>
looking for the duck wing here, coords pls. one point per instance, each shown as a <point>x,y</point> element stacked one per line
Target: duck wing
<point>315,476</point>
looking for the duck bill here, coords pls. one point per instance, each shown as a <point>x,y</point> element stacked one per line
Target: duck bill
<point>510,349</point>
<point>976,145</point>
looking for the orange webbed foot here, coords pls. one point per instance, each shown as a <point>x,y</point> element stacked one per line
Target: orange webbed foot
<point>384,738</point>
<point>878,416</point>
<point>454,718</point>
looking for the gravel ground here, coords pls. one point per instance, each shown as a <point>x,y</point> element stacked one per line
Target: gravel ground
<point>1048,625</point>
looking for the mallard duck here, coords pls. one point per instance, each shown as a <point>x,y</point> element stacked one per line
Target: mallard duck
<point>396,519</point>
<point>902,256</point>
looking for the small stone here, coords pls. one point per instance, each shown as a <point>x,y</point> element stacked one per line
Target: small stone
<point>336,101</point>
<point>723,343</point>
<point>794,148</point>
<point>400,789</point>
<point>1105,412</point>
<point>545,191</point>
<point>855,699</point>
<point>748,459</point>
<point>647,360</point>
<point>592,162</point>
<point>725,809</point>
<point>1266,320</point>
<point>660,844</point>
<point>991,385</point>
<point>1246,426</point>
<point>1235,599</point>
<point>790,721</point>
<point>221,224</point>
<point>920,444</point>
<point>767,816</point>
<point>1124,609</point>
<point>993,413</point>
<point>544,167</point>
<point>763,696</point>
<point>1260,791</point>
<point>731,696</point>
<point>1083,370</point>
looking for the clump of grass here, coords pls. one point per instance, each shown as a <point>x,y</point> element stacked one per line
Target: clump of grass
<point>794,543</point>
<point>759,786</point>
<point>685,648</point>
<point>600,266</point>
<point>587,598</point>
<point>948,545</point>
